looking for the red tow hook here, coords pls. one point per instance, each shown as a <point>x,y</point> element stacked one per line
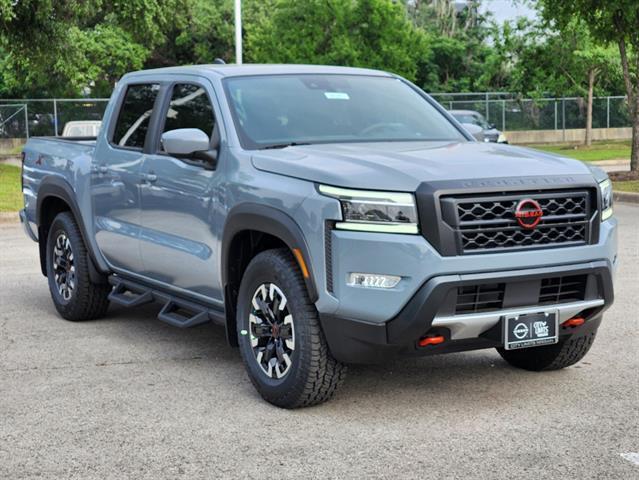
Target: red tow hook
<point>434,340</point>
<point>573,322</point>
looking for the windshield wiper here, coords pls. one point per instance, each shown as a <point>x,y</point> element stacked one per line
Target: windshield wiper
<point>284,145</point>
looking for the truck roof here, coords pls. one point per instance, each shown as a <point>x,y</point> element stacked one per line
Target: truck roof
<point>234,70</point>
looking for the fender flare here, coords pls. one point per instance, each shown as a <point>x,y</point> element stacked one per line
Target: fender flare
<point>269,220</point>
<point>54,186</point>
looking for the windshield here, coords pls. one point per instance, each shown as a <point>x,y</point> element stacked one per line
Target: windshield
<point>474,119</point>
<point>272,111</point>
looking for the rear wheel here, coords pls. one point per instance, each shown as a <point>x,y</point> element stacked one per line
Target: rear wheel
<point>550,357</point>
<point>281,341</point>
<point>74,295</point>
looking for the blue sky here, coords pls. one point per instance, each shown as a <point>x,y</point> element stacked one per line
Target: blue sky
<point>507,9</point>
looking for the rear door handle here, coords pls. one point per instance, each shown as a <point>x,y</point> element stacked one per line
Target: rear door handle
<point>149,177</point>
<point>100,169</point>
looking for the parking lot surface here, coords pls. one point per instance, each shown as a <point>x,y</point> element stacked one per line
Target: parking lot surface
<point>130,397</point>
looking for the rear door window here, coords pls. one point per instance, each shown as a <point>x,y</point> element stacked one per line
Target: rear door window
<point>135,113</point>
<point>190,107</point>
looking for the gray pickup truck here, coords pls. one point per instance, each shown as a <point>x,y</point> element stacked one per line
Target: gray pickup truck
<point>323,216</point>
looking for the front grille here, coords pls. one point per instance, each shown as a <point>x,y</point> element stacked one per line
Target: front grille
<point>487,223</point>
<point>563,289</point>
<point>480,298</point>
<point>489,297</point>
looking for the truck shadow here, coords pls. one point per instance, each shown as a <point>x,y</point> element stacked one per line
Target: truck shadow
<point>480,379</point>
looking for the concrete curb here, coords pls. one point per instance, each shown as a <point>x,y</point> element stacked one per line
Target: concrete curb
<point>12,160</point>
<point>9,217</point>
<point>626,197</point>
<point>611,163</point>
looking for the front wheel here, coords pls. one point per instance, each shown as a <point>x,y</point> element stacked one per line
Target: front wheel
<point>281,341</point>
<point>550,357</point>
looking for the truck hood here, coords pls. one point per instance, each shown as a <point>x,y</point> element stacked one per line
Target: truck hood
<point>402,166</point>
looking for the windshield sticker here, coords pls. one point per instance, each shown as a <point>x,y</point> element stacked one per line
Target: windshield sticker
<point>337,96</point>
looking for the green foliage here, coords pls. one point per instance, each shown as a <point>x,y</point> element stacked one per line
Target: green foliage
<point>611,22</point>
<point>67,47</point>
<point>596,152</point>
<point>10,192</point>
<point>626,186</point>
<point>207,32</point>
<point>558,63</point>
<point>364,33</point>
<point>75,47</point>
<point>608,21</point>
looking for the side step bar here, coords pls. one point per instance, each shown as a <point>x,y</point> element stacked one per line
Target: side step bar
<point>176,311</point>
<point>129,296</point>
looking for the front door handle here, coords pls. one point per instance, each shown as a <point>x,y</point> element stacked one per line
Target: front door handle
<point>149,177</point>
<point>102,169</point>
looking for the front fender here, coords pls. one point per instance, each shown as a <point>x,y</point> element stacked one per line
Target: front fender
<point>269,220</point>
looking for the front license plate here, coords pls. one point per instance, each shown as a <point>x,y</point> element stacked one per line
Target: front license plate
<point>530,330</point>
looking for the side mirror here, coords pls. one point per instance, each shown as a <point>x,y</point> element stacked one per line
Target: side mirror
<point>185,141</point>
<point>492,126</point>
<point>192,145</point>
<point>475,130</point>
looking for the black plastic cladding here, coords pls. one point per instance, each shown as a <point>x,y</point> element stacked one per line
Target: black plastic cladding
<point>445,238</point>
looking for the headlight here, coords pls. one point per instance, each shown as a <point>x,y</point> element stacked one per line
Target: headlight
<point>606,199</point>
<point>501,138</point>
<point>373,211</point>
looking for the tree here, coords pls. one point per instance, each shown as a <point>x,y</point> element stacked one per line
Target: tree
<point>207,32</point>
<point>563,64</point>
<point>593,59</point>
<point>456,33</point>
<point>609,22</point>
<point>64,47</point>
<point>365,33</point>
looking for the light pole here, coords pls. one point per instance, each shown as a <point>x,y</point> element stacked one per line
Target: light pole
<point>238,32</point>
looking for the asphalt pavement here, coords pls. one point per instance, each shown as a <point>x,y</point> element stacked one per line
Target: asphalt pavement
<point>130,397</point>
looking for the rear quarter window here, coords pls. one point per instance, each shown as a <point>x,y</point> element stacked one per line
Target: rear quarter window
<point>133,119</point>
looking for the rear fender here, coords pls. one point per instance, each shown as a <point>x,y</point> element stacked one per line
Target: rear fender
<point>56,187</point>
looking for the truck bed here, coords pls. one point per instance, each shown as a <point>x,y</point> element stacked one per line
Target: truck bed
<point>68,158</point>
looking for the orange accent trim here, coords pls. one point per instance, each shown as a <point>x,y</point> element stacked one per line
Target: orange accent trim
<point>300,260</point>
<point>424,342</point>
<point>574,322</point>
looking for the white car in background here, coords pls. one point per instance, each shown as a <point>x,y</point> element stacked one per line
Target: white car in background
<point>82,128</point>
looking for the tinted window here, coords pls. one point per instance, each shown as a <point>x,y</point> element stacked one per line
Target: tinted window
<point>135,113</point>
<point>190,107</point>
<point>270,110</point>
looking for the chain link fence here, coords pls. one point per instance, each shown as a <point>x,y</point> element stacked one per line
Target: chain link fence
<point>509,113</point>
<point>22,118</point>
<point>13,120</point>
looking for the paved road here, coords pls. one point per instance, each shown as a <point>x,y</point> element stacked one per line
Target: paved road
<point>130,397</point>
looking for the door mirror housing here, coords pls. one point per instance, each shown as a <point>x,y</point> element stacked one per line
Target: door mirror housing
<point>191,145</point>
<point>185,141</point>
<point>475,130</point>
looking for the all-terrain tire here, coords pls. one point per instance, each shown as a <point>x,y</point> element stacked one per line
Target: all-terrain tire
<point>550,357</point>
<point>313,375</point>
<point>86,300</point>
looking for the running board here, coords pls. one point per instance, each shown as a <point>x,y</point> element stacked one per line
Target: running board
<point>176,311</point>
<point>182,316</point>
<point>127,296</point>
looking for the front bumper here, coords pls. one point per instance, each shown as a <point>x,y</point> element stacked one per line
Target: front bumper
<point>357,341</point>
